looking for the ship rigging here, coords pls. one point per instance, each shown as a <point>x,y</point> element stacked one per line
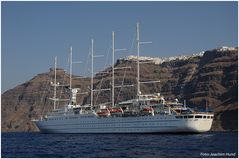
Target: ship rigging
<point>147,113</point>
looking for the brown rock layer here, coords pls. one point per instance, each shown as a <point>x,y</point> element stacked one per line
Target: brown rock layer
<point>210,80</point>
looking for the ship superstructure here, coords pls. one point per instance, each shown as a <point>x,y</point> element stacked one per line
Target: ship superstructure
<point>146,113</point>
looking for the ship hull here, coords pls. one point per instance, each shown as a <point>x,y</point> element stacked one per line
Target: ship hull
<point>136,124</point>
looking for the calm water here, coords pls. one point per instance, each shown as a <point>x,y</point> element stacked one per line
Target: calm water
<point>119,145</point>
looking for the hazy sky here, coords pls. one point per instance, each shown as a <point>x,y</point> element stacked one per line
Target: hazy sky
<point>34,32</point>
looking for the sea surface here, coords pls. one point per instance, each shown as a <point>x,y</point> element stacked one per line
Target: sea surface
<point>212,144</point>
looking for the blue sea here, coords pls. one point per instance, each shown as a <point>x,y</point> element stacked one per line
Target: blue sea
<point>212,144</point>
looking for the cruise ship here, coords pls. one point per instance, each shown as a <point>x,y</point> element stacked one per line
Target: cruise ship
<point>146,113</point>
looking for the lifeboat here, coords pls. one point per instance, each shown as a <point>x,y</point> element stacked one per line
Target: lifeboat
<point>103,113</point>
<point>148,110</point>
<point>116,111</point>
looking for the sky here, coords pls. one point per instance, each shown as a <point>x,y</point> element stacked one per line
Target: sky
<point>33,33</point>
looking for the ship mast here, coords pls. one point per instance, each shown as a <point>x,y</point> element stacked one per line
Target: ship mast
<point>70,66</point>
<point>138,80</point>
<point>56,84</point>
<point>138,68</point>
<point>92,72</point>
<point>73,90</point>
<point>113,71</point>
<point>54,97</point>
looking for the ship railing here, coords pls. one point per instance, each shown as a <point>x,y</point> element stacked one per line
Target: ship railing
<point>209,113</point>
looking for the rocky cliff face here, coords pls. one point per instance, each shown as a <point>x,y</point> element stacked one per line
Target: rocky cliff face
<point>31,99</point>
<point>209,80</point>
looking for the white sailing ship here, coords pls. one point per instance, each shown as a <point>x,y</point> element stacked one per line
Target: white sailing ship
<point>147,113</point>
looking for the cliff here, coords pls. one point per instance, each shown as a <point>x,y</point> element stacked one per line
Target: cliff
<point>208,79</point>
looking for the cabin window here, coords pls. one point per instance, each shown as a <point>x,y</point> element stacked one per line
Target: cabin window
<point>198,116</point>
<point>208,117</point>
<point>190,116</point>
<point>204,117</point>
<point>211,117</point>
<point>179,117</point>
<point>185,117</point>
